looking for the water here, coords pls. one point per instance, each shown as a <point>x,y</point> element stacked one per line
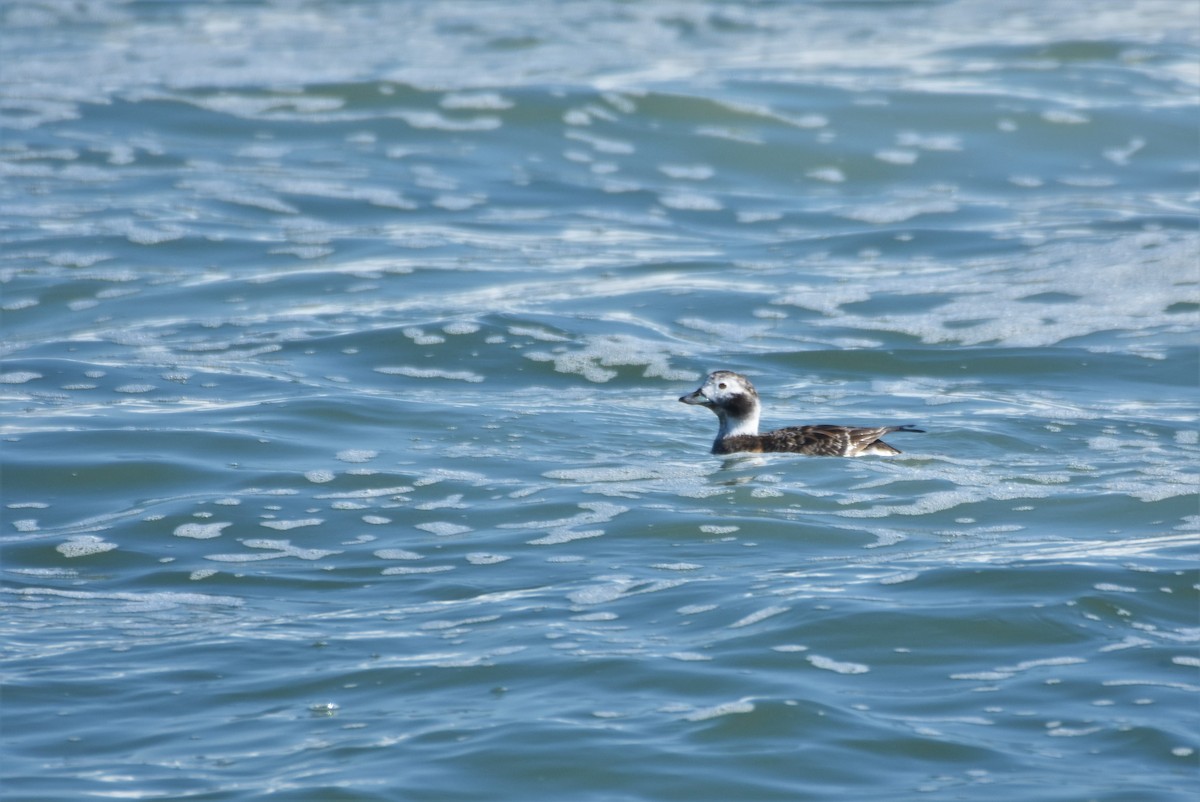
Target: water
<point>342,456</point>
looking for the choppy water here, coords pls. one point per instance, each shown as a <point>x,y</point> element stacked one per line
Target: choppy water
<point>341,451</point>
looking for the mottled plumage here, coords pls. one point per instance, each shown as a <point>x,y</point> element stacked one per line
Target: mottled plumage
<point>735,401</point>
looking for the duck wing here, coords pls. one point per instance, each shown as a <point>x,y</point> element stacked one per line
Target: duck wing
<point>826,440</point>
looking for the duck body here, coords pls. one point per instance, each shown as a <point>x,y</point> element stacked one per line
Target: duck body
<point>735,402</point>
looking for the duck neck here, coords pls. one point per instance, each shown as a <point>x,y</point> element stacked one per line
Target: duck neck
<point>732,426</point>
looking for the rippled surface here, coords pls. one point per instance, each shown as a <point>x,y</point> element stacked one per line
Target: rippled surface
<point>341,453</point>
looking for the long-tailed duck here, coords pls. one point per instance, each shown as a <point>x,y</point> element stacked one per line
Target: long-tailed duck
<point>735,401</point>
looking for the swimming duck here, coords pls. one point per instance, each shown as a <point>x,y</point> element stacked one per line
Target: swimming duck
<point>735,401</point>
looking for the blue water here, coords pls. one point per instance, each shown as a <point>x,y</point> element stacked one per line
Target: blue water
<point>341,452</point>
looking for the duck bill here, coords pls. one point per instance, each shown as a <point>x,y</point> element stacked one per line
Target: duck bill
<point>697,398</point>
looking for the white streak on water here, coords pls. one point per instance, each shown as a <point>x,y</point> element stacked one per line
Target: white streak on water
<point>761,615</point>
<point>283,526</point>
<point>613,588</point>
<point>431,373</point>
<point>599,512</point>
<point>482,558</point>
<point>725,709</point>
<point>280,548</point>
<point>444,528</point>
<point>366,493</point>
<point>559,536</point>
<point>433,569</point>
<point>147,601</point>
<point>830,664</point>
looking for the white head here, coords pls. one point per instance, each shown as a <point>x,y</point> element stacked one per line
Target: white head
<point>733,398</point>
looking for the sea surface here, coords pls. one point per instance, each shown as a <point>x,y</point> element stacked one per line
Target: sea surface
<point>342,456</point>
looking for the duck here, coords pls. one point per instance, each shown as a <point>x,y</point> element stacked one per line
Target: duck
<point>735,401</point>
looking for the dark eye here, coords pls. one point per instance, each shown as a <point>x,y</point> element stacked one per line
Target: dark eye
<point>721,386</point>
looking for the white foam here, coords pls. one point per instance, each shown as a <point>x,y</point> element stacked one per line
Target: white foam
<point>453,501</point>
<point>443,625</point>
<point>626,473</point>
<point>200,531</point>
<point>243,558</point>
<point>558,536</point>
<point>600,144</point>
<point>612,588</point>
<point>831,175</point>
<point>688,172</point>
<point>48,573</point>
<point>601,353</point>
<point>444,528</point>
<point>893,212</point>
<point>691,202</point>
<point>284,548</point>
<point>433,120</point>
<point>1073,732</point>
<point>481,558</point>
<point>696,609</point>
<point>319,476</point>
<point>1146,266</point>
<point>357,455</point>
<point>726,709</point>
<point>19,377</point>
<point>480,101</point>
<point>444,474</point>
<point>419,336</point>
<point>839,667</point>
<point>374,492</point>
<point>758,217</point>
<point>431,373</point>
<point>153,601</point>
<point>933,142</point>
<point>397,554</point>
<point>597,512</point>
<point>761,615</point>
<point>84,546</point>
<point>283,526</point>
<point>897,156</point>
<point>457,203</point>
<point>403,570</point>
<point>1065,117</point>
<point>540,334</point>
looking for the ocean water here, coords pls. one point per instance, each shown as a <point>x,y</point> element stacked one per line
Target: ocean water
<point>341,452</point>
